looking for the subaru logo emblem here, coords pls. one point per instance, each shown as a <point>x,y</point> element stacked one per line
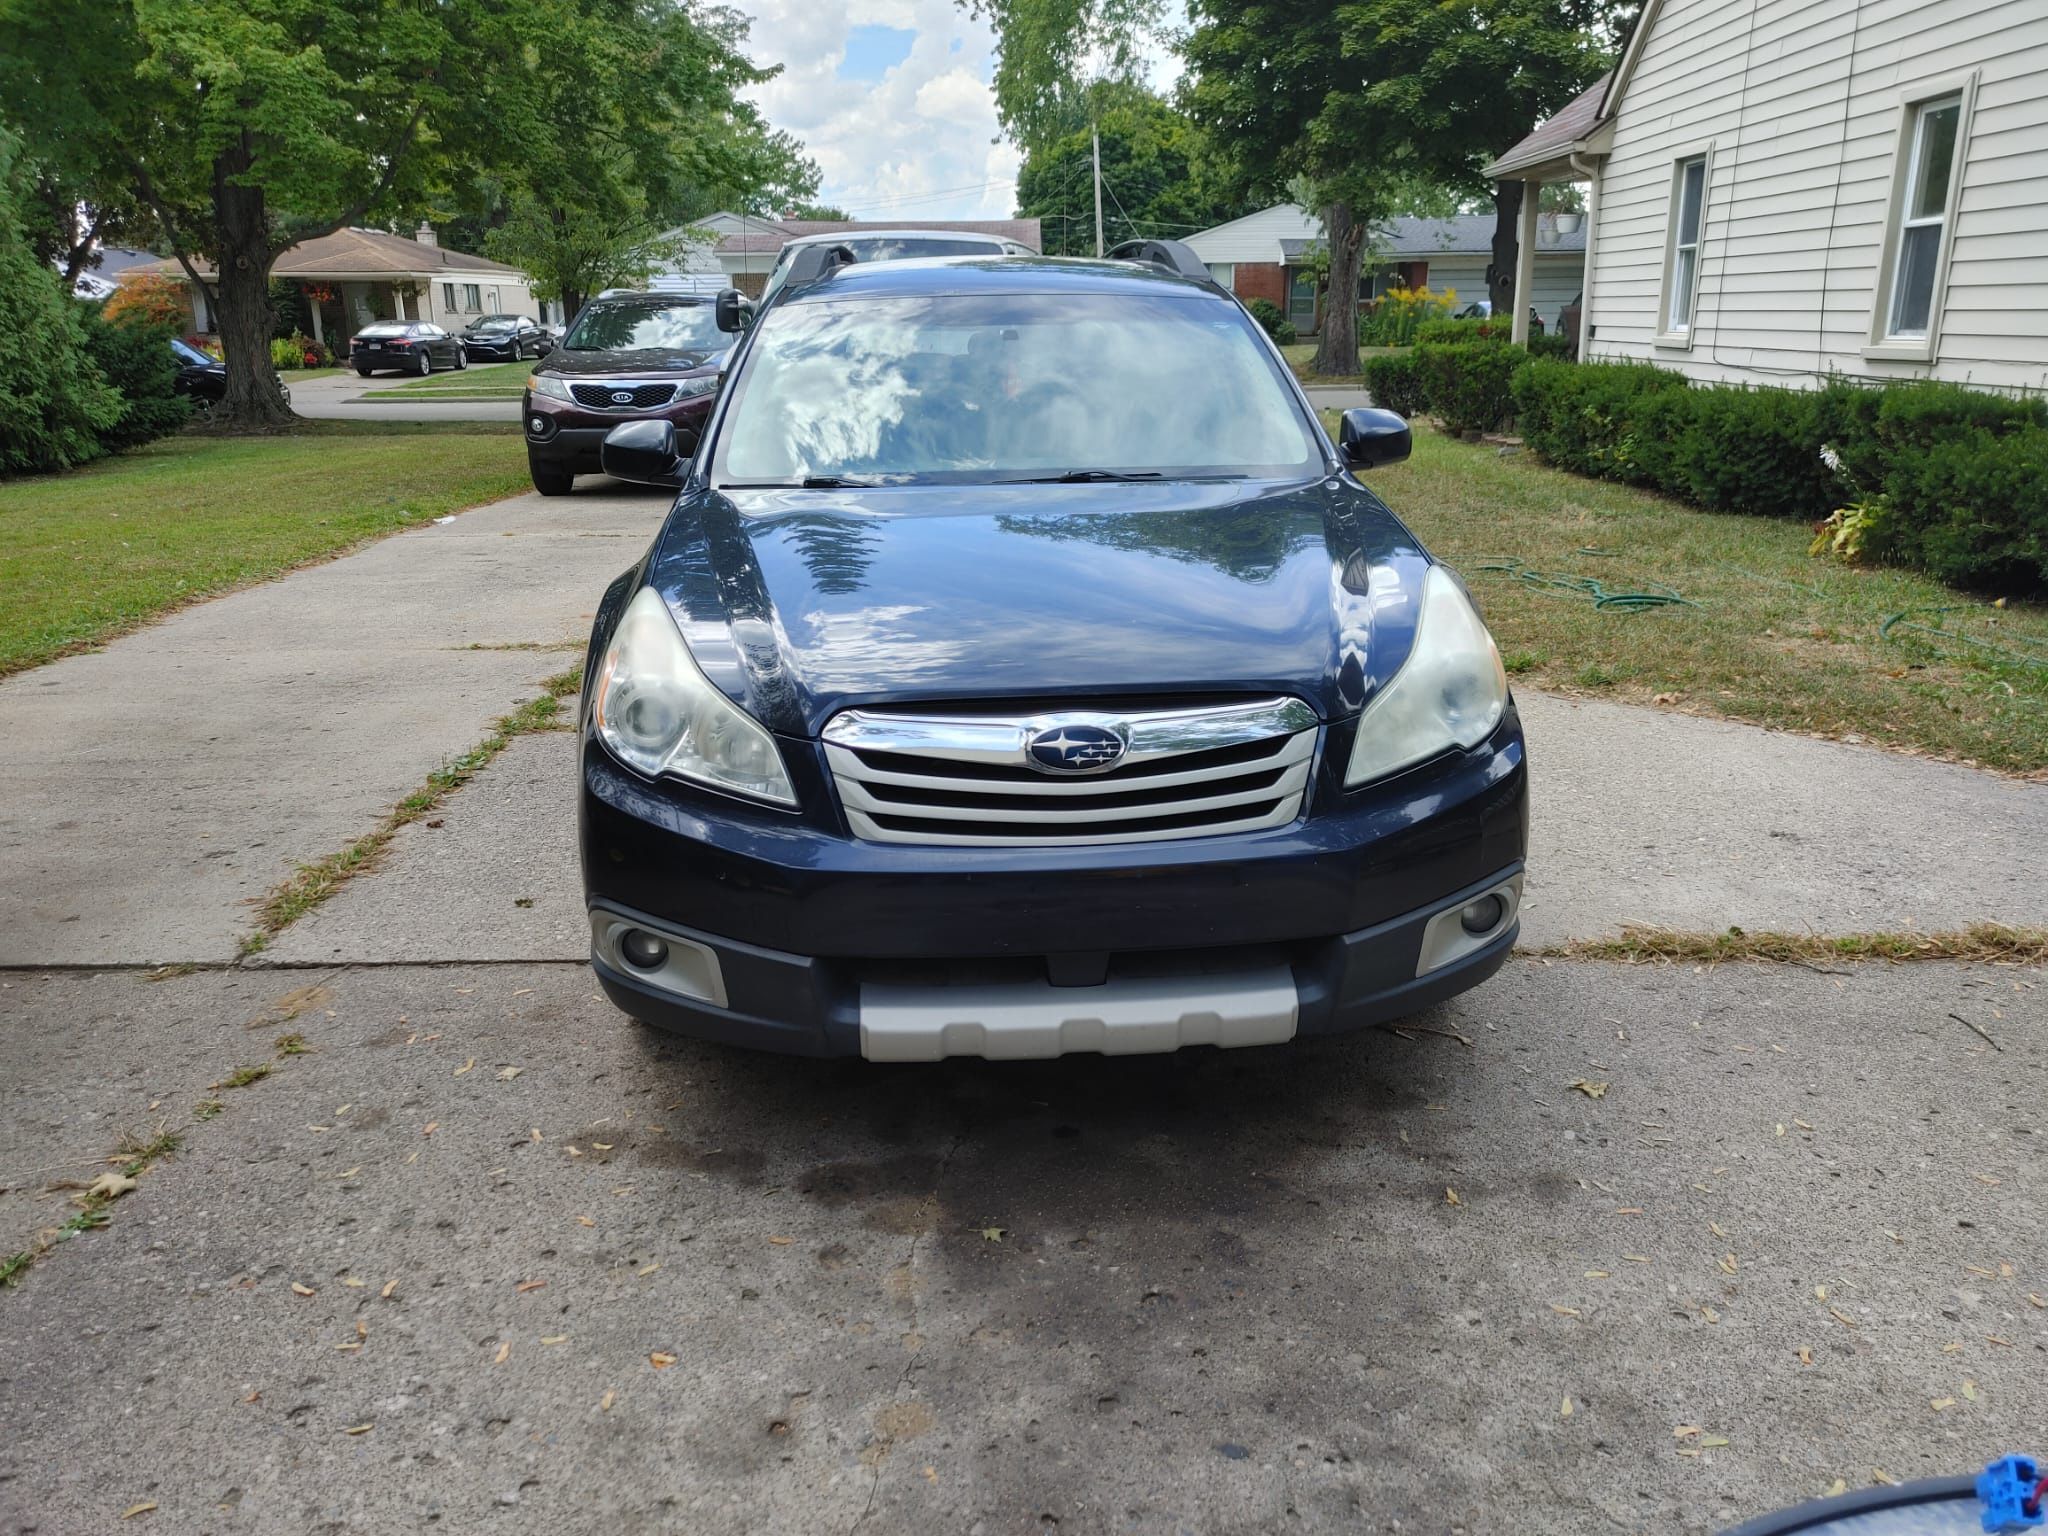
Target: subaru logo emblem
<point>1075,748</point>
<point>622,397</point>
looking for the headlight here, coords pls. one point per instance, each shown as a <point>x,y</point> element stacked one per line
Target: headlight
<point>550,385</point>
<point>689,389</point>
<point>659,714</point>
<point>1450,692</point>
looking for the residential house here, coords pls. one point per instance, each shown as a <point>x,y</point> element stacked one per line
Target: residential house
<point>355,276</point>
<point>1781,191</point>
<point>104,275</point>
<point>742,247</point>
<point>1267,255</point>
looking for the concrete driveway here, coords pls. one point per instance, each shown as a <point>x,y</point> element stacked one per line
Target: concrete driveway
<point>446,1242</point>
<point>341,398</point>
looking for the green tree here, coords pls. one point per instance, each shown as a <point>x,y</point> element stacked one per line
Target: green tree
<point>1160,178</point>
<point>54,402</point>
<point>247,126</point>
<point>824,211</point>
<point>1053,55</point>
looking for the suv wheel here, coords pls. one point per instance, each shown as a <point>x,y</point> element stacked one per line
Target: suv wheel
<point>550,479</point>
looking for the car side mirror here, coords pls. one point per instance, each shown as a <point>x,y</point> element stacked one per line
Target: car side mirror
<point>732,311</point>
<point>643,451</point>
<point>1370,438</point>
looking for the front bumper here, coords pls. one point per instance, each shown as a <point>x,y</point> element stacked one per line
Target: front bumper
<point>572,436</point>
<point>801,921</point>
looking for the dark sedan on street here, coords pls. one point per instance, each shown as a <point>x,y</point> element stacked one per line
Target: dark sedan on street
<point>629,356</point>
<point>505,339</point>
<point>201,375</point>
<point>404,346</point>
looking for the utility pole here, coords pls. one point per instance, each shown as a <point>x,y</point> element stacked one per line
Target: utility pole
<point>1095,142</point>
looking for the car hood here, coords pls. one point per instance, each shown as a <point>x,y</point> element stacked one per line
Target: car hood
<point>664,360</point>
<point>802,603</point>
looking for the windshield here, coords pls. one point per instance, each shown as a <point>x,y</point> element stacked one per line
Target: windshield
<point>1011,387</point>
<point>386,329</point>
<point>646,328</point>
<point>494,323</point>
<point>191,355</point>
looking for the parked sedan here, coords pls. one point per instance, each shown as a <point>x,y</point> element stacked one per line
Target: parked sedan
<point>404,346</point>
<point>504,339</point>
<point>200,374</point>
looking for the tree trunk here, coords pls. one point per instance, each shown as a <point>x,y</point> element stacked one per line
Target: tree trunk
<point>255,397</point>
<point>1337,346</point>
<point>1500,272</point>
<point>572,304</point>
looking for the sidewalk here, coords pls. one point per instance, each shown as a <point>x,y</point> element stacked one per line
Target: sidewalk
<point>151,791</point>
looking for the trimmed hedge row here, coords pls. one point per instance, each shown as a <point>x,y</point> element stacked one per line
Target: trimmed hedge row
<point>1949,479</point>
<point>1463,379</point>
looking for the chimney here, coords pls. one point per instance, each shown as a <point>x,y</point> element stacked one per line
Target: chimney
<point>425,234</point>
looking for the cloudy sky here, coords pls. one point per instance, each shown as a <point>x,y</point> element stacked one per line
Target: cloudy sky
<point>891,98</point>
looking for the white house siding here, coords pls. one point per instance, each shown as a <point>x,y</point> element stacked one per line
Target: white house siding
<point>1256,237</point>
<point>1800,100</point>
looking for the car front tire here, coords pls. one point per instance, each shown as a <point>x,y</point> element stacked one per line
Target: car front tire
<point>426,364</point>
<point>550,479</point>
<point>461,360</point>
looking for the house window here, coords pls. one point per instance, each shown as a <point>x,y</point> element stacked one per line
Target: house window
<point>1682,253</point>
<point>448,297</point>
<point>472,298</point>
<point>1921,222</point>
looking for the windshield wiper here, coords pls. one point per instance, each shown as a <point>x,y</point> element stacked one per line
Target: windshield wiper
<point>1087,477</point>
<point>808,483</point>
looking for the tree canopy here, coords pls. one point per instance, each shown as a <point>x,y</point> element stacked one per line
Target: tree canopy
<point>246,126</point>
<point>1052,56</point>
<point>1160,177</point>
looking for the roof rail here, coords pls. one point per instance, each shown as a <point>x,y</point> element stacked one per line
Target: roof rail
<point>812,262</point>
<point>1174,255</point>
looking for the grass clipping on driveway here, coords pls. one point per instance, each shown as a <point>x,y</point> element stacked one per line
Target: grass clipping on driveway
<point>87,555</point>
<point>1778,637</point>
<point>313,883</point>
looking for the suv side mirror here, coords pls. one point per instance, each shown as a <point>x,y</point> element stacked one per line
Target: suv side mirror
<point>643,451</point>
<point>1369,438</point>
<point>733,311</point>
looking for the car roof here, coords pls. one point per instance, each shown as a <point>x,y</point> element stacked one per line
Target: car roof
<point>842,236</point>
<point>648,296</point>
<point>981,274</point>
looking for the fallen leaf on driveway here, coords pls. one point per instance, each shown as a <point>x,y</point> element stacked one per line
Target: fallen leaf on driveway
<point>1590,1090</point>
<point>1939,1403</point>
<point>467,1066</point>
<point>137,1509</point>
<point>661,1359</point>
<point>303,1290</point>
<point>1685,1431</point>
<point>1597,1274</point>
<point>1879,1475</point>
<point>430,1127</point>
<point>353,1283</point>
<point>1713,1441</point>
<point>389,1287</point>
<point>528,1285</point>
<point>504,1353</point>
<point>995,1234</point>
<point>1970,1390</point>
<point>1841,1317</point>
<point>604,1404</point>
<point>1805,1355</point>
<point>1564,1410</point>
<point>110,1186</point>
<point>781,1242</point>
<point>1709,1313</point>
<point>1837,1488</point>
<point>1451,1196</point>
<point>359,1429</point>
<point>585,1221</point>
<point>556,1338</point>
<point>647,1269</point>
<point>1564,1311</point>
<point>506,1074</point>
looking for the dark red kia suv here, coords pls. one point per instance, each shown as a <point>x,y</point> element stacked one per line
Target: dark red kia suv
<point>628,357</point>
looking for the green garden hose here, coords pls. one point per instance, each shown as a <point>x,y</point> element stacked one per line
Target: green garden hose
<point>2028,653</point>
<point>1604,597</point>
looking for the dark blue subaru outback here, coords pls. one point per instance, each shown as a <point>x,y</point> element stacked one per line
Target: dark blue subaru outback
<point>1022,671</point>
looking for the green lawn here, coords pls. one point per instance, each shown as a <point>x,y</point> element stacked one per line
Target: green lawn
<point>1776,637</point>
<point>300,375</point>
<point>86,555</point>
<point>507,379</point>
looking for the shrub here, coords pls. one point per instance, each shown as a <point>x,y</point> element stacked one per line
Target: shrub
<point>135,357</point>
<point>1273,322</point>
<point>54,403</point>
<point>1462,333</point>
<point>1949,479</point>
<point>1469,388</point>
<point>1394,380</point>
<point>1546,344</point>
<point>155,298</point>
<point>1398,314</point>
<point>286,353</point>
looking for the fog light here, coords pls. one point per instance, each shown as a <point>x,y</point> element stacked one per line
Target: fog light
<point>643,949</point>
<point>1483,915</point>
<point>536,424</point>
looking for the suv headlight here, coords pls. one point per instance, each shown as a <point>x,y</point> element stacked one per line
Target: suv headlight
<point>1450,692</point>
<point>550,385</point>
<point>689,389</point>
<point>659,714</point>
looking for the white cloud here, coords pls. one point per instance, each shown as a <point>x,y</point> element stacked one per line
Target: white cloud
<point>920,142</point>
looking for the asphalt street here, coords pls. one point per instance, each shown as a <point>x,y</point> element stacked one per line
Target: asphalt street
<point>447,1244</point>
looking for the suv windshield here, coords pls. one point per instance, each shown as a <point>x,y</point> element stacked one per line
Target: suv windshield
<point>387,328</point>
<point>646,328</point>
<point>1011,387</point>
